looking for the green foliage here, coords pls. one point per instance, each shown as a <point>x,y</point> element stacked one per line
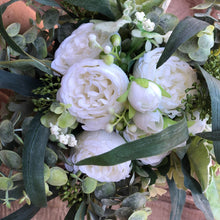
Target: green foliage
<point>58,177</point>
<point>6,131</point>
<point>140,214</point>
<point>50,18</point>
<point>13,29</point>
<point>11,159</point>
<point>89,185</point>
<point>105,190</point>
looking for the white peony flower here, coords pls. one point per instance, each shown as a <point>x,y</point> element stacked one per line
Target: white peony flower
<point>198,125</point>
<point>76,47</point>
<point>144,99</point>
<point>92,88</point>
<point>95,143</point>
<point>175,76</point>
<point>150,122</point>
<point>154,160</point>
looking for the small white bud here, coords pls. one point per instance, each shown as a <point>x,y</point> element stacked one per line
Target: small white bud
<point>148,25</point>
<point>109,128</point>
<point>107,49</point>
<point>111,111</point>
<point>63,139</point>
<point>92,37</point>
<point>140,16</point>
<point>132,128</point>
<point>72,142</point>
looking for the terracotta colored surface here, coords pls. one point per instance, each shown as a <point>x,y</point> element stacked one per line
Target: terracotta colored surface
<point>56,210</point>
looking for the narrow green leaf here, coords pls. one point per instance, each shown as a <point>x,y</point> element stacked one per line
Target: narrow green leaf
<point>80,214</point>
<point>49,3</point>
<point>26,212</point>
<point>105,7</point>
<point>33,161</point>
<point>156,144</point>
<point>123,97</point>
<point>212,136</point>
<point>131,112</point>
<point>23,64</point>
<point>178,198</point>
<point>214,91</point>
<point>186,29</point>
<point>72,211</point>
<point>199,199</point>
<point>18,83</point>
<point>5,5</point>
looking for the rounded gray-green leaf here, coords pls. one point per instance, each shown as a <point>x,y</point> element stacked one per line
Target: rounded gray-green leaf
<point>66,120</point>
<point>5,183</point>
<point>13,29</point>
<point>6,131</point>
<point>41,47</point>
<point>25,125</point>
<point>140,215</point>
<point>31,35</point>
<point>11,159</point>
<point>105,191</point>
<point>46,172</point>
<point>135,201</point>
<point>20,41</point>
<point>89,185</point>
<point>58,177</point>
<point>50,18</point>
<point>50,157</point>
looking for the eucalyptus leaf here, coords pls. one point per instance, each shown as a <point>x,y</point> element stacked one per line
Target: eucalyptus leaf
<point>50,157</point>
<point>13,29</point>
<point>140,215</point>
<point>97,209</point>
<point>50,18</point>
<point>20,41</point>
<point>57,177</point>
<point>46,172</point>
<point>31,34</point>
<point>187,28</point>
<point>156,144</point>
<point>41,47</point>
<point>11,159</point>
<point>66,120</point>
<point>214,91</point>
<point>33,161</point>
<point>81,212</point>
<point>52,3</point>
<point>17,177</point>
<point>89,185</point>
<point>6,131</point>
<point>178,198</point>
<point>105,190</point>
<point>5,183</point>
<point>49,118</point>
<point>18,83</point>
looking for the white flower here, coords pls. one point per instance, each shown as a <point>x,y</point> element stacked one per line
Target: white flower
<point>148,25</point>
<point>92,88</point>
<point>76,47</point>
<point>198,126</point>
<point>153,160</point>
<point>140,16</point>
<point>95,143</point>
<point>72,142</point>
<point>144,99</point>
<point>175,76</point>
<point>55,130</point>
<point>150,122</point>
<point>63,139</point>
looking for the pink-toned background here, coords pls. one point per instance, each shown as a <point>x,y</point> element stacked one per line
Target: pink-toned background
<point>56,210</point>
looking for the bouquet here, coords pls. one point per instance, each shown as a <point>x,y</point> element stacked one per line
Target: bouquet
<point>112,101</point>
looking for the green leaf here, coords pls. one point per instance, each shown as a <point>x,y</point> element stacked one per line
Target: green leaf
<point>214,91</point>
<point>18,83</point>
<point>140,215</point>
<point>23,64</point>
<point>13,29</point>
<point>57,108</point>
<point>50,18</point>
<point>31,35</point>
<point>80,214</point>
<point>203,6</point>
<point>50,157</point>
<point>156,144</point>
<point>199,199</point>
<point>20,41</point>
<point>58,177</point>
<point>186,29</point>
<point>26,212</point>
<point>105,190</point>
<point>72,211</point>
<point>178,198</point>
<point>66,120</point>
<point>48,118</point>
<point>41,47</point>
<point>147,6</point>
<point>49,3</point>
<point>89,185</point>
<point>142,82</point>
<point>213,195</point>
<point>11,159</point>
<point>6,131</point>
<point>108,8</point>
<point>131,112</point>
<point>123,97</point>
<point>5,5</point>
<point>213,135</point>
<point>5,183</point>
<point>200,161</point>
<point>33,161</point>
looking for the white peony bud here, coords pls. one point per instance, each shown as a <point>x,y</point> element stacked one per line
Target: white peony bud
<point>150,122</point>
<point>93,143</point>
<point>144,99</point>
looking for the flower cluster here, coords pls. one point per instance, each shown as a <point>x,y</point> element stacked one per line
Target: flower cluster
<point>120,109</point>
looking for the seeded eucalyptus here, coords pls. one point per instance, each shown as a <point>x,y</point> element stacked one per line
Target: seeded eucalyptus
<point>47,92</point>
